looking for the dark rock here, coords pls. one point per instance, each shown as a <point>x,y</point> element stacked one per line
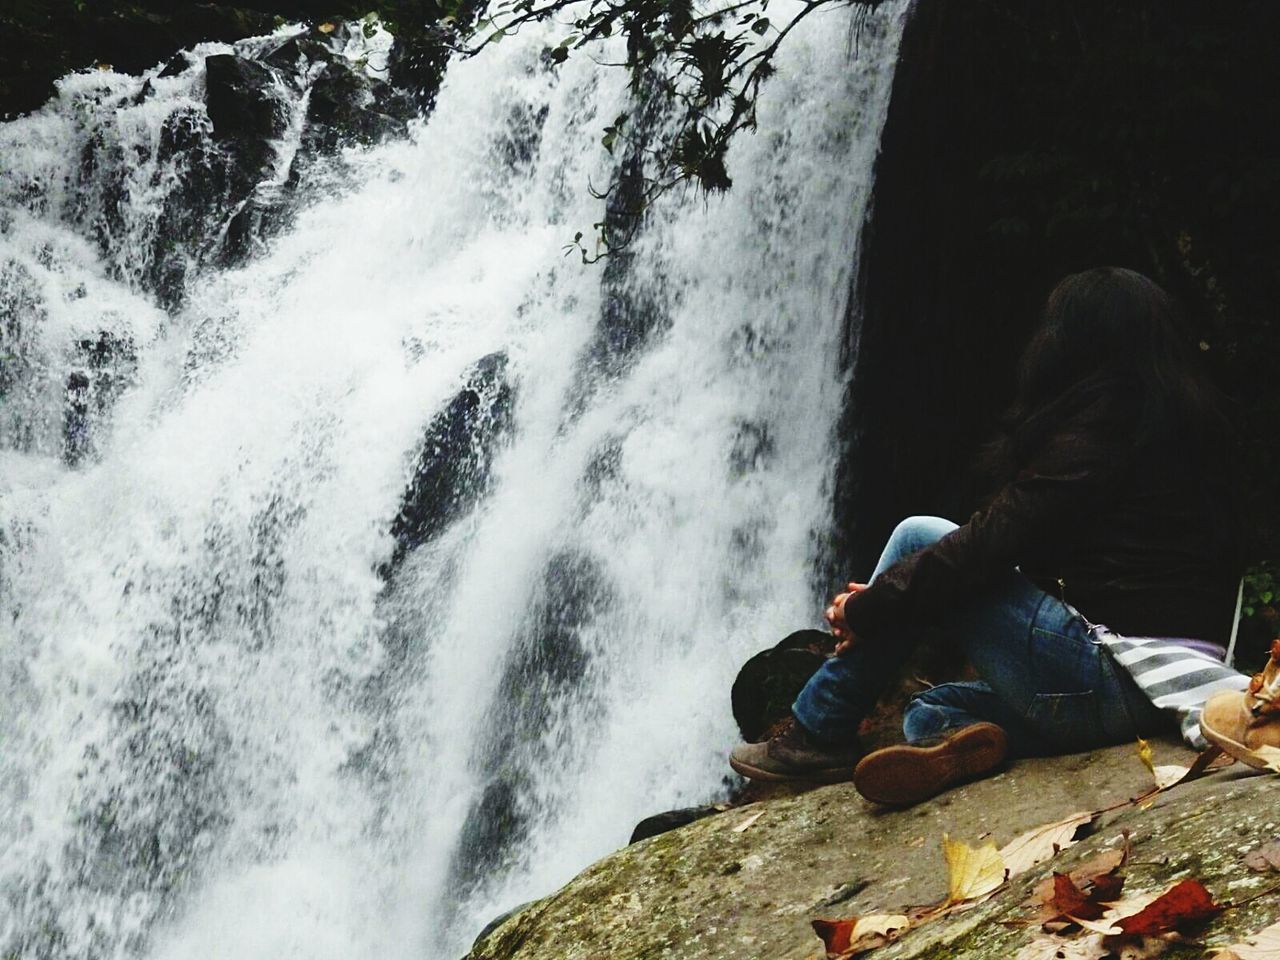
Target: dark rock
<point>239,99</point>
<point>348,107</point>
<point>1024,141</point>
<point>108,364</point>
<point>768,683</point>
<point>452,473</point>
<point>661,823</point>
<point>58,38</point>
<point>296,53</point>
<point>175,66</point>
<point>541,681</point>
<point>417,66</point>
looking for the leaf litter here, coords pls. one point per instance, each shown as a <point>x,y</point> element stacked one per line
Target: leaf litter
<point>1086,899</point>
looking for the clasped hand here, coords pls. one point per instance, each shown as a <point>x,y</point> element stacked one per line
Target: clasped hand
<point>845,639</point>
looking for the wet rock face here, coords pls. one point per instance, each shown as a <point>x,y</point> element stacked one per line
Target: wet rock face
<point>105,368</point>
<point>245,135</point>
<point>452,473</point>
<point>541,684</point>
<point>1021,145</point>
<point>252,104</point>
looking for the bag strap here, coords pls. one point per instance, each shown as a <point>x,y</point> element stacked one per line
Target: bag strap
<point>1235,626</point>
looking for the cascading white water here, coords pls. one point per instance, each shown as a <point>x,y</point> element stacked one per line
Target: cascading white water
<point>224,735</point>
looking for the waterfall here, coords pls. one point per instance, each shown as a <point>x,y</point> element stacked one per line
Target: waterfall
<point>357,589</point>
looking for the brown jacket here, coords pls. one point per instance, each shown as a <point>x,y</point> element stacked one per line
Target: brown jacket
<point>1124,535</point>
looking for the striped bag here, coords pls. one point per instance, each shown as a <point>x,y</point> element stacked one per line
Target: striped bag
<point>1175,676</point>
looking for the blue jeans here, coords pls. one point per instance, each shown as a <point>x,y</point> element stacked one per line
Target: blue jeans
<point>1044,677</point>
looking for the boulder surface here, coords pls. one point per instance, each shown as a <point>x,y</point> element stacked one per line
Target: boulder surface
<point>746,883</point>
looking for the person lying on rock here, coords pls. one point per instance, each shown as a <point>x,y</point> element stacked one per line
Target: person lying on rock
<point>1093,595</point>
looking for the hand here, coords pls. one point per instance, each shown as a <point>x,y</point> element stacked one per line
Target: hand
<point>845,640</point>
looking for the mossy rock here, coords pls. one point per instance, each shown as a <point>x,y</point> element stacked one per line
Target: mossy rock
<point>710,891</point>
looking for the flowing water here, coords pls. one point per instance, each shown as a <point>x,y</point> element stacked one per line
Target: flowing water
<point>254,706</point>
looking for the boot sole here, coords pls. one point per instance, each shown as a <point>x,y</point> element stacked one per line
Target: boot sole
<point>1232,748</point>
<point>824,775</point>
<point>904,775</point>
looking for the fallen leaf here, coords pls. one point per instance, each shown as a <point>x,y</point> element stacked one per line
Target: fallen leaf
<point>1263,945</point>
<point>1270,756</point>
<point>1057,948</point>
<point>1170,775</point>
<point>1043,843</point>
<point>1095,882</point>
<point>855,935</point>
<point>1070,901</point>
<point>1165,775</point>
<point>1183,904</point>
<point>745,824</point>
<point>1141,948</point>
<point>1264,858</point>
<point>971,873</point>
<point>327,27</point>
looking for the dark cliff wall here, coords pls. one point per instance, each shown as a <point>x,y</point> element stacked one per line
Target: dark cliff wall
<point>49,38</point>
<point>1031,138</point>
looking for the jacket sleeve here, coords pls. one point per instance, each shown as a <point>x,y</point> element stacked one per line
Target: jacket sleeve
<point>1073,474</point>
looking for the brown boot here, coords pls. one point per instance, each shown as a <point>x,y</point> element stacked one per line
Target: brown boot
<point>1241,721</point>
<point>910,772</point>
<point>792,754</point>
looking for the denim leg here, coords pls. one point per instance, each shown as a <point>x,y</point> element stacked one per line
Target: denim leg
<point>937,711</point>
<point>1042,661</point>
<point>1045,677</point>
<point>845,689</point>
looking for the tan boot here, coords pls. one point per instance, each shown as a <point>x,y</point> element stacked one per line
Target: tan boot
<point>907,773</point>
<point>1242,721</point>
<point>792,754</point>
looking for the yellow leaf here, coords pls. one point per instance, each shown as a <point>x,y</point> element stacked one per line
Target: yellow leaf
<point>327,27</point>
<point>1166,775</point>
<point>971,873</point>
<point>1270,755</point>
<point>1146,756</point>
<point>1263,945</point>
<point>1043,843</point>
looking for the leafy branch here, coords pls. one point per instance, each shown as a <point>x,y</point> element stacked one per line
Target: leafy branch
<point>695,73</point>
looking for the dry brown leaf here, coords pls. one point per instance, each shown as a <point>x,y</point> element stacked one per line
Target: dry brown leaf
<point>1264,858</point>
<point>1070,901</point>
<point>1263,945</point>
<point>1270,756</point>
<point>1182,905</point>
<point>1058,948</point>
<point>1095,882</point>
<point>971,873</point>
<point>1043,843</point>
<point>1143,948</point>
<point>854,935</point>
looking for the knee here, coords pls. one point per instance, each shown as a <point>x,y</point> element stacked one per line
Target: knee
<point>924,719</point>
<point>916,533</point>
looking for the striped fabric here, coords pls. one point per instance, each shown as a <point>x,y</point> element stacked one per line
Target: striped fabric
<point>1173,676</point>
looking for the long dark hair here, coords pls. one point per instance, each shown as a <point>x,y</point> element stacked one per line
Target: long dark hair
<point>1112,340</point>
